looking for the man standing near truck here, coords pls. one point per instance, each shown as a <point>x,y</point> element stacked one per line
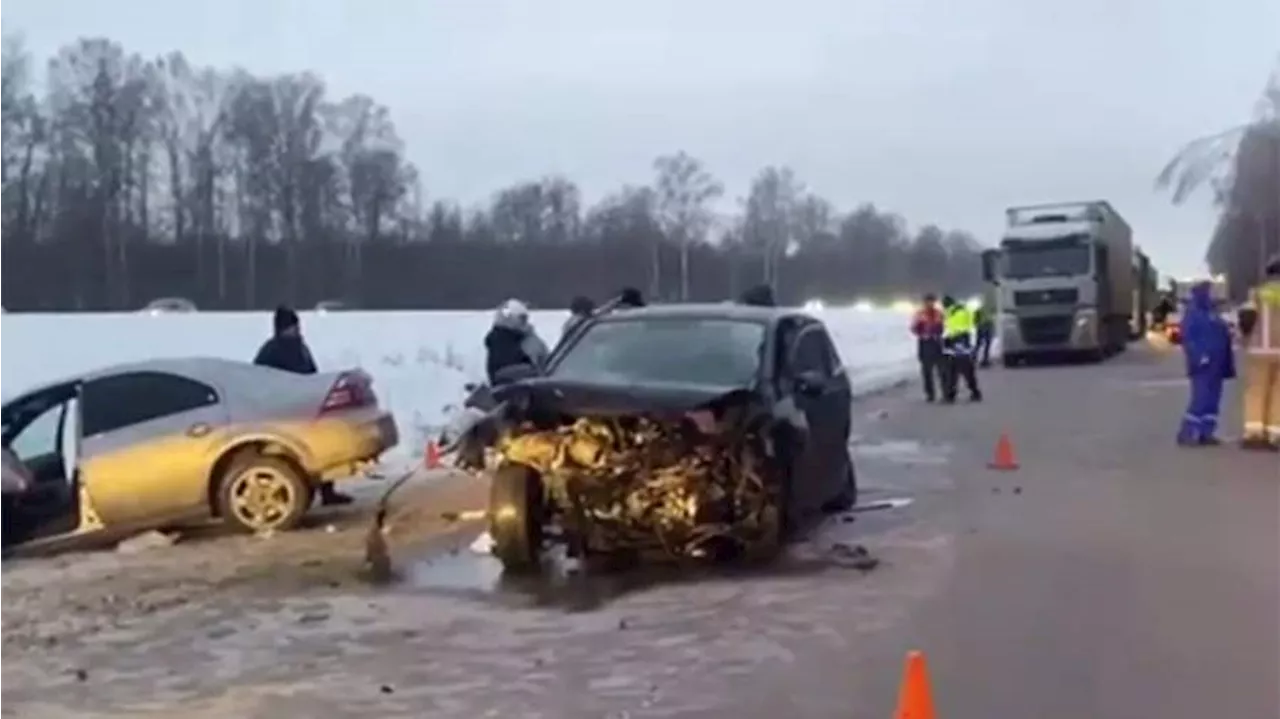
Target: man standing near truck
<point>926,325</point>
<point>986,330</point>
<point>957,351</point>
<point>1262,374</point>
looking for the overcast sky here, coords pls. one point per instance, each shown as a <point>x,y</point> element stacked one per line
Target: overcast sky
<point>945,110</point>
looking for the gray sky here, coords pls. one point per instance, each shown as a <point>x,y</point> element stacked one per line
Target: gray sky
<point>945,111</point>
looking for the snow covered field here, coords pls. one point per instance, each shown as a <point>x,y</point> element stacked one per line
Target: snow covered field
<point>419,360</point>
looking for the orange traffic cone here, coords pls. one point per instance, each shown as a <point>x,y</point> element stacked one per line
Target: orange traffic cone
<point>1004,458</point>
<point>431,457</point>
<point>915,698</point>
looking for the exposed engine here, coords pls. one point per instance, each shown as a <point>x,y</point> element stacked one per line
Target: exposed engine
<point>689,488</point>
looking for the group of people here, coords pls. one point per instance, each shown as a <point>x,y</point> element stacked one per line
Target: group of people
<point>513,341</point>
<point>1207,345</point>
<point>952,340</point>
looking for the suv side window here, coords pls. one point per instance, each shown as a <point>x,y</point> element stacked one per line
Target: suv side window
<point>812,353</point>
<point>123,400</point>
<point>835,365</point>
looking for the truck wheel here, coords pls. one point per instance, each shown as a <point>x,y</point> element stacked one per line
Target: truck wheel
<point>260,493</point>
<point>515,517</point>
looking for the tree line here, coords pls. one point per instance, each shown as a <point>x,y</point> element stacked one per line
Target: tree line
<point>128,178</point>
<point>1241,167</point>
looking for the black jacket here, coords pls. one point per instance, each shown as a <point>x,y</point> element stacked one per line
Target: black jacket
<point>286,352</point>
<point>505,348</point>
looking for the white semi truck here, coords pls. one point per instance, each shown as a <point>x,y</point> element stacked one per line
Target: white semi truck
<point>1065,281</point>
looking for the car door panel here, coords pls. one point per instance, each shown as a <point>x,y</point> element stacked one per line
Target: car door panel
<point>148,445</point>
<point>153,469</point>
<point>839,409</point>
<point>810,477</point>
<point>828,412</point>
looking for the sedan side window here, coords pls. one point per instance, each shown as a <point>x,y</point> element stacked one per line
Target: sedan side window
<point>41,435</point>
<point>123,400</point>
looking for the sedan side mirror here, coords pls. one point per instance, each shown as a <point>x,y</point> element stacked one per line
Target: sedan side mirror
<point>811,383</point>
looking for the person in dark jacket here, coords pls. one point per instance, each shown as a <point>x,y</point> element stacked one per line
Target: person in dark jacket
<point>286,350</point>
<point>512,341</point>
<point>759,296</point>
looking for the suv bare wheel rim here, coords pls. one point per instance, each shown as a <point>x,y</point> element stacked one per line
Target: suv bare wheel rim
<point>262,497</point>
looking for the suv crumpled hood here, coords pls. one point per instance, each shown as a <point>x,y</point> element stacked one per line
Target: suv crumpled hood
<point>597,399</point>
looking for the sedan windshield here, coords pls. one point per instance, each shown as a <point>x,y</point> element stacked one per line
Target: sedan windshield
<point>712,352</point>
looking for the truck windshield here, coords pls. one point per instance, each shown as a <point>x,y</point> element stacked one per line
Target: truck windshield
<point>1047,258</point>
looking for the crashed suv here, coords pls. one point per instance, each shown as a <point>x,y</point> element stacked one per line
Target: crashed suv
<point>682,432</point>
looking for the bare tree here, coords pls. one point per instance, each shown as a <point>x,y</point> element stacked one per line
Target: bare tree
<point>685,192</point>
<point>132,178</point>
<point>1241,166</point>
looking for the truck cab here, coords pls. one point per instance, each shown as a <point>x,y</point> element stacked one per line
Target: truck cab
<point>1064,275</point>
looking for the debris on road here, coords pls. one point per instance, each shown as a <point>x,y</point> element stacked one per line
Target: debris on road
<point>855,557</point>
<point>146,541</point>
<point>483,544</point>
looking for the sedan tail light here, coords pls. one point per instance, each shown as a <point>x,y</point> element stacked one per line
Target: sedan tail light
<point>351,389</point>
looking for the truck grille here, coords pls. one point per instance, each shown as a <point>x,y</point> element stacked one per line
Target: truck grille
<point>1054,330</point>
<point>1061,296</point>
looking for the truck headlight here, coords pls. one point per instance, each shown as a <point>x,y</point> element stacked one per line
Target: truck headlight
<point>1084,319</point>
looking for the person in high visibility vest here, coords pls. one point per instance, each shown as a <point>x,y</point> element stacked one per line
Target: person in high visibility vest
<point>958,329</point>
<point>1262,358</point>
<point>926,325</point>
<point>986,330</point>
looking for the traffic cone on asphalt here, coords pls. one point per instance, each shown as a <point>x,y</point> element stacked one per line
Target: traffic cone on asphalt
<point>915,698</point>
<point>431,457</point>
<point>1004,458</point>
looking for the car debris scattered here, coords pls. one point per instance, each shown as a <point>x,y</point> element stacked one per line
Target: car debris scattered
<point>146,541</point>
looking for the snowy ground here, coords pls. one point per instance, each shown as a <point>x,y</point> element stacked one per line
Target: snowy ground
<point>419,360</point>
<point>226,627</point>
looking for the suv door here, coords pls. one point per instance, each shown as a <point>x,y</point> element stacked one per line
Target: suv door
<point>826,406</point>
<point>149,440</point>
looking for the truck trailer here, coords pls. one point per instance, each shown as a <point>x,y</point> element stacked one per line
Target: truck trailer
<point>1146,293</point>
<point>1065,279</point>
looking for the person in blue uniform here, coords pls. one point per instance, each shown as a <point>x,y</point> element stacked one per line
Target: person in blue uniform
<point>1206,344</point>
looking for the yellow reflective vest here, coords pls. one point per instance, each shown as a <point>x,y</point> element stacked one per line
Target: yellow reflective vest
<point>1264,341</point>
<point>957,322</point>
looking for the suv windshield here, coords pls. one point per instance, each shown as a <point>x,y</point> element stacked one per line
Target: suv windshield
<point>715,352</point>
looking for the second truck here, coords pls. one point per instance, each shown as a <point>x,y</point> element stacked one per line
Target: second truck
<point>1068,282</point>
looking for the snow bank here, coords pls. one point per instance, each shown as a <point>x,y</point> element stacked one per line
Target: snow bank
<point>419,360</point>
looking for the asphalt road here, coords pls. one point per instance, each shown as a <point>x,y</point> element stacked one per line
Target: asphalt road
<point>1112,576</point>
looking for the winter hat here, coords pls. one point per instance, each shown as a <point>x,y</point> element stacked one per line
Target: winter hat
<point>582,306</point>
<point>759,296</point>
<point>630,297</point>
<point>284,319</point>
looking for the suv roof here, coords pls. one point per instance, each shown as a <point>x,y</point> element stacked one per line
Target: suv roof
<point>728,311</point>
